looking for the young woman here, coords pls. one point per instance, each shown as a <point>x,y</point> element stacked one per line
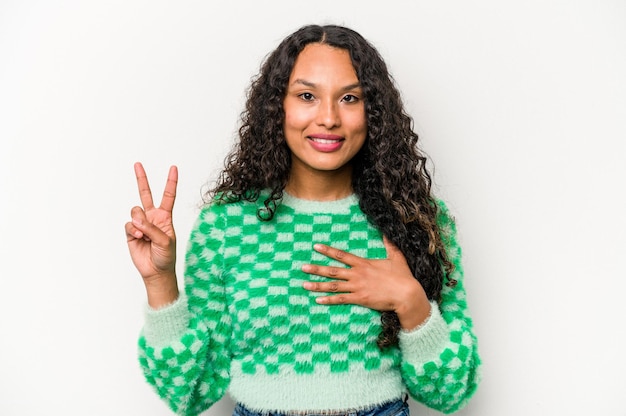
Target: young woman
<point>322,276</point>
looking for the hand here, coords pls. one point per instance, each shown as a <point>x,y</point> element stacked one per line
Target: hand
<point>383,285</point>
<point>152,240</point>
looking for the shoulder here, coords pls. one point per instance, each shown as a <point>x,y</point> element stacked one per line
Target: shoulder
<point>227,207</point>
<point>445,219</point>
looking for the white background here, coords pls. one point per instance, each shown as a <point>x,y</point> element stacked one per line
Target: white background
<point>521,106</point>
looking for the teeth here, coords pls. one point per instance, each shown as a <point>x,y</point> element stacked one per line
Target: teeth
<point>324,141</point>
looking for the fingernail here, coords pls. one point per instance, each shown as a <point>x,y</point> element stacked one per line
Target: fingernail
<point>137,222</point>
<point>307,285</point>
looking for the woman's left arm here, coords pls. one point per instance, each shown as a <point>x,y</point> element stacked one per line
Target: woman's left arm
<point>440,360</point>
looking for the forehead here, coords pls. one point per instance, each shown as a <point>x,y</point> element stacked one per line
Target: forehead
<point>321,62</point>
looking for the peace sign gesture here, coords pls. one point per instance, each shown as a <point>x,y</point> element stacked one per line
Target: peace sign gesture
<point>152,240</point>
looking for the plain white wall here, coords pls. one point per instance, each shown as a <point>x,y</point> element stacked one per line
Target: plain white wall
<point>521,106</point>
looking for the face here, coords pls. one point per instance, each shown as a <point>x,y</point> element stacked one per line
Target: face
<point>325,123</point>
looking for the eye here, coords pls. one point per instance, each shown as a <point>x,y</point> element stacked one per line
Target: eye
<point>307,96</point>
<point>350,98</point>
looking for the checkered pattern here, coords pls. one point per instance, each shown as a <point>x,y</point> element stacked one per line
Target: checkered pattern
<point>249,317</point>
<point>277,326</point>
<point>447,382</point>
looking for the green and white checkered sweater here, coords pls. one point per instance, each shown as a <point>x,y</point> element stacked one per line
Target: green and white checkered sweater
<point>245,324</point>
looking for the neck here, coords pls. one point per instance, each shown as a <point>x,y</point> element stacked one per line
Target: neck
<point>320,186</point>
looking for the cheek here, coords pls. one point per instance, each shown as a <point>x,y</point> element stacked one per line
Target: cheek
<point>357,123</point>
<point>296,119</point>
<point>356,118</point>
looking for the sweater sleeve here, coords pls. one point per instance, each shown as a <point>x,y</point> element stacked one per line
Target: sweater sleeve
<point>183,347</point>
<point>440,361</point>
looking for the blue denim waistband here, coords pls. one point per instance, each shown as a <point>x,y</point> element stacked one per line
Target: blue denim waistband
<point>393,408</point>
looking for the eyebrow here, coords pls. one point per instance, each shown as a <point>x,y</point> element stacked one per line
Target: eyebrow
<point>313,85</point>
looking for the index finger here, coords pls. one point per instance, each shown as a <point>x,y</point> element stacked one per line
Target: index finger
<point>339,255</point>
<point>169,194</point>
<point>145,194</point>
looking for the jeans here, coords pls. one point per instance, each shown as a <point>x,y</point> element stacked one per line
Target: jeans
<point>395,408</point>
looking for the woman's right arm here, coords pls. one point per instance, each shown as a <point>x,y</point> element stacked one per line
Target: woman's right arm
<point>183,344</point>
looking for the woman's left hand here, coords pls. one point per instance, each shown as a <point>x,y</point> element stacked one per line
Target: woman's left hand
<point>383,284</point>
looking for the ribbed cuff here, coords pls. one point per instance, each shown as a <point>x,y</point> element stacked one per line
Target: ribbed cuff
<point>427,341</point>
<point>166,324</point>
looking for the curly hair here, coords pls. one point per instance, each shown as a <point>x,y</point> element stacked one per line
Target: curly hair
<point>389,176</point>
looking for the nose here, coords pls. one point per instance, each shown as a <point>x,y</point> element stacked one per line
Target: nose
<point>328,114</point>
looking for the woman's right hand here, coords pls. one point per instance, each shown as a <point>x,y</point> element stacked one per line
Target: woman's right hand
<point>152,240</point>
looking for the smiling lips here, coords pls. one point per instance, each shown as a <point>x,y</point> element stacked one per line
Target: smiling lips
<point>326,142</point>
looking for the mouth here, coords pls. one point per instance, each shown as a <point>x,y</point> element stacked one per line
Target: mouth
<point>326,143</point>
<point>325,138</point>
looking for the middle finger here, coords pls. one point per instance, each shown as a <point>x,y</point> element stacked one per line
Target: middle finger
<point>329,287</point>
<point>327,271</point>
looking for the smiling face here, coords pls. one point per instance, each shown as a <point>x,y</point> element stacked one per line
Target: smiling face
<point>325,123</point>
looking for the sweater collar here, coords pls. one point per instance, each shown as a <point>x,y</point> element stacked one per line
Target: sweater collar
<point>342,205</point>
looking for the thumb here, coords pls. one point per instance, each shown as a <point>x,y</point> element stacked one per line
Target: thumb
<point>392,250</point>
<point>149,231</point>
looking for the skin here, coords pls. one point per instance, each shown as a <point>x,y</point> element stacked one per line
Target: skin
<point>152,240</point>
<point>323,100</point>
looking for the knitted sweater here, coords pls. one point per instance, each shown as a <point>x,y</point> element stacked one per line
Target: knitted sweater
<point>245,324</point>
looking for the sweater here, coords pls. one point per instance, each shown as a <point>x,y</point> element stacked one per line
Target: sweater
<point>246,326</point>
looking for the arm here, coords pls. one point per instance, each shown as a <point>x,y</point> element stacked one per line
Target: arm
<point>183,347</point>
<point>440,358</point>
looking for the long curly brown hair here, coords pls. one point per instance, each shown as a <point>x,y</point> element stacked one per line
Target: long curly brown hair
<point>389,177</point>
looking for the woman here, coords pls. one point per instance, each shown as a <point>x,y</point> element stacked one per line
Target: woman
<point>322,276</point>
